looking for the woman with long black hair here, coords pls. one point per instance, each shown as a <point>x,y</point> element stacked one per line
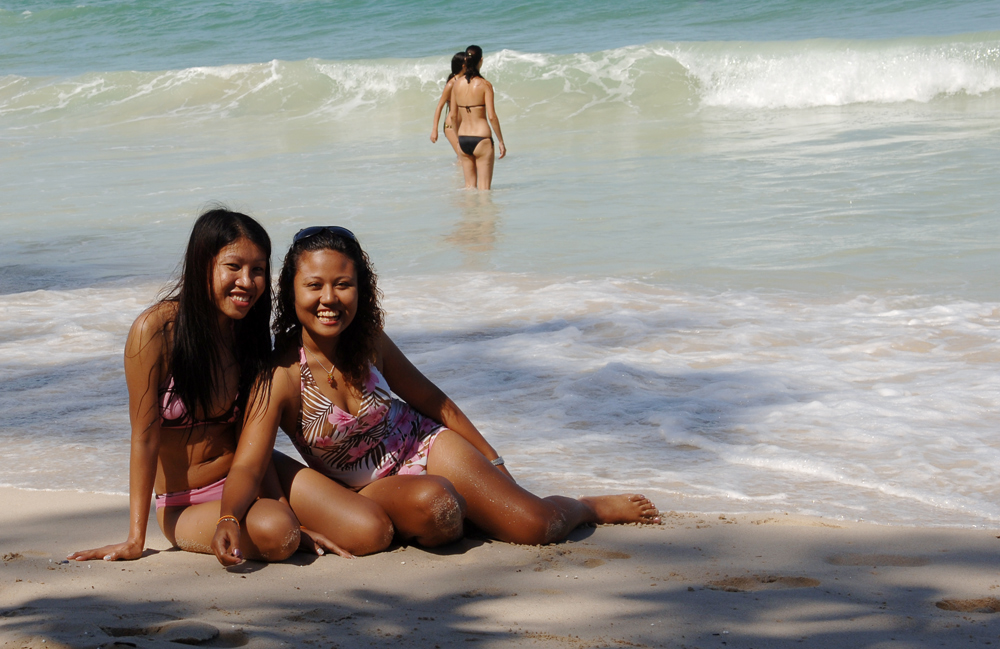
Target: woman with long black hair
<point>457,65</point>
<point>472,105</point>
<point>191,362</point>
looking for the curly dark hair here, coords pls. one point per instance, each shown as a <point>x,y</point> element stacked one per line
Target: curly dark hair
<point>356,347</point>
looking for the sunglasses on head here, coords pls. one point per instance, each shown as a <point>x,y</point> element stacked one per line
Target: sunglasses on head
<point>305,233</point>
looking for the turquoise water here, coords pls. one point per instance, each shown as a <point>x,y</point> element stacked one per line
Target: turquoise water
<point>63,38</point>
<point>741,256</point>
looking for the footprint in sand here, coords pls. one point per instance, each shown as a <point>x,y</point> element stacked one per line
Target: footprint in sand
<point>555,558</point>
<point>188,632</point>
<point>761,582</point>
<point>877,560</point>
<point>486,592</point>
<point>979,605</point>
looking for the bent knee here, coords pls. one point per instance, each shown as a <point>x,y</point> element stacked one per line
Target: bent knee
<point>442,509</point>
<point>370,533</point>
<point>275,533</point>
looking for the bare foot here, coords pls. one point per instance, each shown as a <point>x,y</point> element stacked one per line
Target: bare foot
<point>622,509</point>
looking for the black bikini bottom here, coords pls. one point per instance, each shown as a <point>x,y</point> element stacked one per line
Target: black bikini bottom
<point>467,143</point>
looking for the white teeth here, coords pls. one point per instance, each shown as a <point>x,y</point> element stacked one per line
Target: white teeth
<point>328,314</point>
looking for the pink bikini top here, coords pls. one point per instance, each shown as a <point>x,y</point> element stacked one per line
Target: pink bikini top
<point>173,414</point>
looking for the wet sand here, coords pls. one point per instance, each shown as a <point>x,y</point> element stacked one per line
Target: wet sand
<point>747,581</point>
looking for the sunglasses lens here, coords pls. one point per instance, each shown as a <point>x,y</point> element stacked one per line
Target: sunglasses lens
<point>305,233</point>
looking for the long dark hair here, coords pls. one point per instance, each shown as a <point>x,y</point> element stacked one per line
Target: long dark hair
<point>473,55</point>
<point>356,346</point>
<point>457,63</point>
<point>195,358</point>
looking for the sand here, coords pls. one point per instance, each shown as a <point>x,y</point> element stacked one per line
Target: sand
<point>769,580</point>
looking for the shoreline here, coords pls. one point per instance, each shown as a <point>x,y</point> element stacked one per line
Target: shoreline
<point>767,580</point>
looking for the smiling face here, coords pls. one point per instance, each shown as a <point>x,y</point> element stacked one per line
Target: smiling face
<point>326,293</point>
<point>239,278</point>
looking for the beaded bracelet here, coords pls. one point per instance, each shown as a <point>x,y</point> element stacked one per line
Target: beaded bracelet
<point>227,517</point>
<point>498,462</point>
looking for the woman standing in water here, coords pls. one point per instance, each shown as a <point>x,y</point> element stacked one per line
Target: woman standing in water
<point>191,360</point>
<point>457,64</point>
<point>417,457</point>
<point>472,105</point>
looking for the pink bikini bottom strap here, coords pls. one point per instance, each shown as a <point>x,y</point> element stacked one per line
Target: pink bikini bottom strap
<point>197,496</point>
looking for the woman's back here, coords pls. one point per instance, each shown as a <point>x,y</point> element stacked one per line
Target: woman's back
<point>470,98</point>
<point>475,115</point>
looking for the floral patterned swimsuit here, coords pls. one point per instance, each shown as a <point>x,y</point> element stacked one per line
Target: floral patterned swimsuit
<point>387,437</point>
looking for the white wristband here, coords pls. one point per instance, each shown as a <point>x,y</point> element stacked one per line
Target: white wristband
<point>497,462</point>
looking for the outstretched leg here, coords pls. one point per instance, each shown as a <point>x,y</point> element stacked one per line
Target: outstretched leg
<point>504,510</point>
<point>351,521</point>
<point>423,508</point>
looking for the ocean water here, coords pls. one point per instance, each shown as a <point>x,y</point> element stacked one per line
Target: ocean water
<point>741,256</point>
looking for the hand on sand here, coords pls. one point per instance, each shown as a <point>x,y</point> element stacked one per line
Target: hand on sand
<point>623,509</point>
<point>310,541</point>
<point>226,543</point>
<point>127,551</point>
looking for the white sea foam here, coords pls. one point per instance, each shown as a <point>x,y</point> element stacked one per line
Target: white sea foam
<point>654,80</point>
<point>836,73</point>
<point>881,408</point>
<point>799,319</point>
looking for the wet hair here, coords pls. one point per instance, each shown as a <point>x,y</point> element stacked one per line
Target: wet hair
<point>356,346</point>
<point>195,359</point>
<point>473,56</point>
<point>457,64</point>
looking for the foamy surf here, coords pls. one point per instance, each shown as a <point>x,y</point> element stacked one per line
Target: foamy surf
<point>654,80</point>
<point>875,408</point>
<point>737,257</point>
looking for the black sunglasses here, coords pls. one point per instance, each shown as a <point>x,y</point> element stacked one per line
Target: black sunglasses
<point>305,233</point>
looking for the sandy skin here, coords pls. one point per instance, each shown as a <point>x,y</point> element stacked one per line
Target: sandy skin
<point>465,478</point>
<point>622,509</point>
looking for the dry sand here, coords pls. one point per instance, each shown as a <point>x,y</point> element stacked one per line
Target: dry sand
<point>696,581</point>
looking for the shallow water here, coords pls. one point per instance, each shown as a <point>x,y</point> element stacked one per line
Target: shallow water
<point>741,256</point>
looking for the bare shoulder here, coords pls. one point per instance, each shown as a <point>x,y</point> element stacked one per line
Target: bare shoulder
<point>148,332</point>
<point>285,378</point>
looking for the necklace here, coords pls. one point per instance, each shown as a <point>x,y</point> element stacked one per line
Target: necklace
<point>329,372</point>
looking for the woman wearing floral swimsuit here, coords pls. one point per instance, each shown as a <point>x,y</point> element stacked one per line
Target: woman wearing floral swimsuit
<point>414,465</point>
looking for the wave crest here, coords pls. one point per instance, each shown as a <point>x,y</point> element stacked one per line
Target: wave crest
<point>836,73</point>
<point>651,81</point>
